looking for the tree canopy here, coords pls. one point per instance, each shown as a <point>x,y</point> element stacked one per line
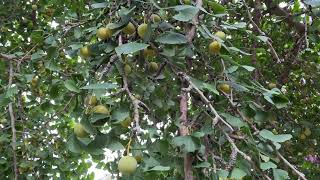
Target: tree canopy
<point>175,89</point>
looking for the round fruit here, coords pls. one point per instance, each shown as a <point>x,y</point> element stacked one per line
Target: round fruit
<point>127,165</point>
<point>61,54</point>
<point>220,34</point>
<point>142,29</point>
<point>302,136</point>
<point>155,18</point>
<point>34,82</point>
<point>79,131</point>
<point>187,1</point>
<point>126,123</point>
<point>85,52</point>
<point>127,69</point>
<point>129,29</point>
<point>139,158</point>
<point>307,132</point>
<point>148,52</point>
<point>34,7</point>
<point>101,109</point>
<point>225,88</point>
<point>153,67</point>
<point>49,12</point>
<point>3,120</point>
<point>104,33</point>
<point>272,85</point>
<point>91,100</point>
<point>214,47</point>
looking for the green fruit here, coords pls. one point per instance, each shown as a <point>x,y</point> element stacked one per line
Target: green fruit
<point>307,132</point>
<point>302,136</point>
<point>149,53</point>
<point>187,2</point>
<point>34,7</point>
<point>61,54</point>
<point>104,33</point>
<point>79,131</point>
<point>3,120</point>
<point>127,69</point>
<point>153,67</point>
<point>126,123</point>
<point>272,85</point>
<point>85,52</point>
<point>142,29</point>
<point>139,158</point>
<point>155,18</point>
<point>101,109</point>
<point>129,29</point>
<point>214,47</point>
<point>127,165</point>
<point>49,12</point>
<point>224,88</point>
<point>220,34</point>
<point>91,100</point>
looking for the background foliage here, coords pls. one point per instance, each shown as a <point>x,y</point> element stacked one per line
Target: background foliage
<point>254,132</point>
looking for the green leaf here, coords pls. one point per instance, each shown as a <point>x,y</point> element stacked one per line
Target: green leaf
<point>275,138</point>
<point>71,86</point>
<point>100,86</point>
<point>234,121</point>
<point>185,12</point>
<point>160,168</point>
<point>204,86</point>
<point>187,143</point>
<point>238,173</point>
<point>120,114</point>
<point>171,38</point>
<point>267,165</point>
<point>130,48</point>
<point>203,165</point>
<point>217,8</point>
<point>279,174</point>
<point>99,5</point>
<point>248,68</point>
<point>263,38</point>
<point>223,174</point>
<point>115,146</point>
<point>74,145</point>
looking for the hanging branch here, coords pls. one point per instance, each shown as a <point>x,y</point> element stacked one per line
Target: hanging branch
<point>13,128</point>
<point>300,174</point>
<point>256,28</point>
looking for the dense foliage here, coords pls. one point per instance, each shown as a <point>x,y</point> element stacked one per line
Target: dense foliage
<point>183,89</point>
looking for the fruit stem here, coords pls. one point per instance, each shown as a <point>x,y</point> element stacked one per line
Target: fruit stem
<point>128,146</point>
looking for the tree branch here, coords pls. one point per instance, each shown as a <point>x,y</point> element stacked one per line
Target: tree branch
<point>13,129</point>
<point>300,174</point>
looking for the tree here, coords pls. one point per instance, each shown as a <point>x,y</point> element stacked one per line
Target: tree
<point>177,89</point>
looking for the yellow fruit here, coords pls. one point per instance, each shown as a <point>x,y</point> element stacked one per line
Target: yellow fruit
<point>155,18</point>
<point>126,123</point>
<point>129,29</point>
<point>34,82</point>
<point>85,52</point>
<point>79,131</point>
<point>307,132</point>
<point>220,34</point>
<point>61,54</point>
<point>127,165</point>
<point>272,85</point>
<point>127,69</point>
<point>148,52</point>
<point>91,100</point>
<point>214,47</point>
<point>139,158</point>
<point>101,109</point>
<point>104,33</point>
<point>153,67</point>
<point>142,29</point>
<point>302,136</point>
<point>224,88</point>
<point>34,7</point>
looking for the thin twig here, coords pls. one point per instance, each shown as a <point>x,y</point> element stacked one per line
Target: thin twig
<point>300,174</point>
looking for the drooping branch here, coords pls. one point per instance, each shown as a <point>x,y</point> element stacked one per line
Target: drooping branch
<point>256,28</point>
<point>300,174</point>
